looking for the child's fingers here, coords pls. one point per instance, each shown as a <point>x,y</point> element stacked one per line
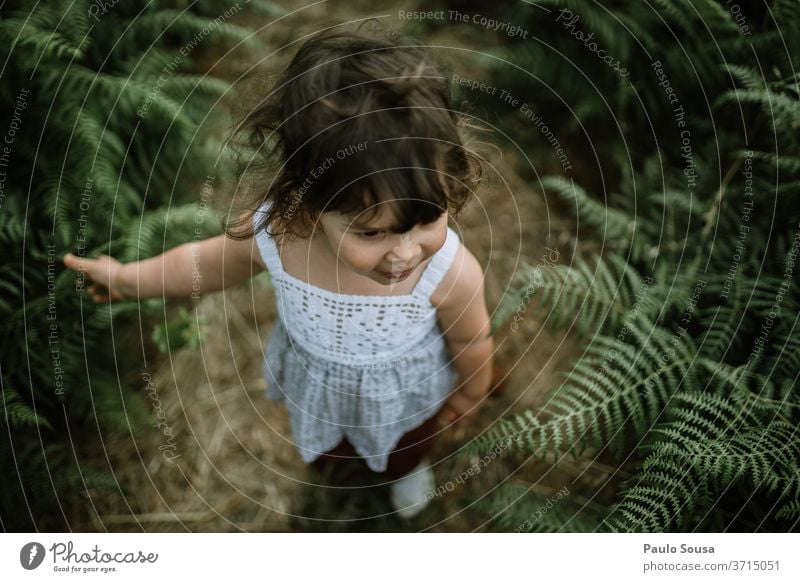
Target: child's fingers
<point>99,293</point>
<point>80,265</point>
<point>74,263</point>
<point>445,415</point>
<point>449,415</point>
<point>98,272</point>
<point>96,269</point>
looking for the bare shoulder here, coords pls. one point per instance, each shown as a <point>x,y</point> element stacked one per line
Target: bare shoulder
<point>462,282</point>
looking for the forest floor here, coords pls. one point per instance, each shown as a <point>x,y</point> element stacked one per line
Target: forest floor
<point>234,465</point>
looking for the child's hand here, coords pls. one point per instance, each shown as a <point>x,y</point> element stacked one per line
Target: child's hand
<point>461,408</point>
<point>104,273</point>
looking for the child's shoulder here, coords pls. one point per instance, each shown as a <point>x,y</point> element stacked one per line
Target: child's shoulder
<point>250,228</point>
<point>462,282</point>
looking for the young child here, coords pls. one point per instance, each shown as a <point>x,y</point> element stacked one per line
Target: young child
<point>383,328</point>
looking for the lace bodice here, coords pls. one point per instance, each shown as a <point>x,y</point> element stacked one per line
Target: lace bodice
<point>356,329</point>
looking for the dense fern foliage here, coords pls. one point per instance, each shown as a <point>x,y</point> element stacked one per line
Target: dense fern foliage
<point>109,123</point>
<point>684,186</point>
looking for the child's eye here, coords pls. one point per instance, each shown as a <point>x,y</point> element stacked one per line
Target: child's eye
<point>370,234</point>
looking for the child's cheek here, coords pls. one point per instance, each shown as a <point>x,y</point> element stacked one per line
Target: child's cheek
<point>364,263</point>
<point>358,259</point>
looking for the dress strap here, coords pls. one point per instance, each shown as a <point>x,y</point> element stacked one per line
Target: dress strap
<point>266,244</point>
<point>439,265</point>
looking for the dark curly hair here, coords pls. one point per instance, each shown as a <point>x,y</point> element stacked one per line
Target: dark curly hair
<point>354,120</point>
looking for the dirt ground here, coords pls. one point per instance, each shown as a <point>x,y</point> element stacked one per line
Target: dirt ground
<point>235,467</point>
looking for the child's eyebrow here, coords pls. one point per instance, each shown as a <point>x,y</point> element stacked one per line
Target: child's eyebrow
<point>369,226</point>
<point>364,223</point>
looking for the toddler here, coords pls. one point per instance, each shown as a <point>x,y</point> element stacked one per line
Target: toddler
<point>383,329</point>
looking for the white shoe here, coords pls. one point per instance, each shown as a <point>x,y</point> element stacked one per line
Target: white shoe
<point>410,492</point>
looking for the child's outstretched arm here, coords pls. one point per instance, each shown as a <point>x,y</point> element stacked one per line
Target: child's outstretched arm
<point>465,323</point>
<point>186,270</point>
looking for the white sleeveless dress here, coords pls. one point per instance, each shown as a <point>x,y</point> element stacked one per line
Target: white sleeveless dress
<point>366,367</point>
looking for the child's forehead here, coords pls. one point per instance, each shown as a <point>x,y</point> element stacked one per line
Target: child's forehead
<point>378,216</point>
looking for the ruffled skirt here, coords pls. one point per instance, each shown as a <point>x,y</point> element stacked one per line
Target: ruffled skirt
<point>371,405</point>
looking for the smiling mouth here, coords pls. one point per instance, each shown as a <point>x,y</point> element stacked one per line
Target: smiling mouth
<point>399,275</point>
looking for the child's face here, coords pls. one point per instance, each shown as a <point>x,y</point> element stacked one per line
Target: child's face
<point>369,247</point>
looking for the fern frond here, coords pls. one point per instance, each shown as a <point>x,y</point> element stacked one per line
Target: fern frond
<point>513,507</point>
<point>748,77</point>
<point>782,108</point>
<point>15,413</point>
<point>789,511</point>
<point>164,228</point>
<point>591,408</point>
<point>604,292</point>
<point>659,502</point>
<point>721,324</point>
<point>192,29</point>
<point>612,225</point>
<point>724,441</point>
<point>35,35</point>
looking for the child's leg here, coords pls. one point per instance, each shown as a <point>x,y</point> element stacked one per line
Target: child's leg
<point>408,453</point>
<point>340,455</point>
<point>412,447</point>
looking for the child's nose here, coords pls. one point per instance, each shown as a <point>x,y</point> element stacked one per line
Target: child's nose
<point>405,251</point>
